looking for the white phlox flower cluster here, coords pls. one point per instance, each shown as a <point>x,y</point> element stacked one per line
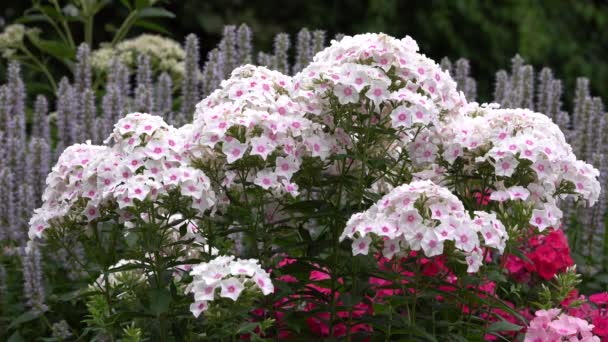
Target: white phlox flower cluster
<point>252,115</point>
<point>149,159</point>
<point>387,78</point>
<point>165,54</point>
<point>380,68</point>
<point>226,277</point>
<point>512,138</point>
<point>424,216</point>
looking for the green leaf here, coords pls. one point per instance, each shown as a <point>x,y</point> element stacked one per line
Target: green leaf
<point>54,48</point>
<point>127,4</point>
<point>155,12</point>
<point>150,26</point>
<point>139,4</point>
<point>15,337</point>
<point>24,318</point>
<point>504,326</point>
<point>246,327</point>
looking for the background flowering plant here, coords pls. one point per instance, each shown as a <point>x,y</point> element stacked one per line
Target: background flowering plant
<point>363,198</point>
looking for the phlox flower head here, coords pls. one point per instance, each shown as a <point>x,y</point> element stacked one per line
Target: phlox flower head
<point>423,216</point>
<point>226,277</point>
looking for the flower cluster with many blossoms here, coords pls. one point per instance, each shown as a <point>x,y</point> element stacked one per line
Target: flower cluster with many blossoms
<point>252,117</point>
<point>423,215</point>
<point>148,160</point>
<point>231,276</point>
<point>370,116</point>
<point>529,155</point>
<point>388,83</point>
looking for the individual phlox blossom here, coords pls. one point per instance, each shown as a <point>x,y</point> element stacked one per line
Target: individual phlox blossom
<point>423,216</point>
<point>509,137</point>
<point>549,215</point>
<point>550,325</point>
<point>228,276</point>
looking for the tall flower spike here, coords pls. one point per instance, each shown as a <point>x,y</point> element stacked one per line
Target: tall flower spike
<point>318,42</point>
<point>515,88</point>
<point>119,76</point>
<point>40,121</point>
<point>303,50</point>
<point>164,96</point>
<point>281,52</point>
<point>88,112</point>
<point>33,288</point>
<point>218,70</point>
<point>228,48</point>
<point>243,45</point>
<point>38,166</point>
<point>581,129</point>
<point>16,98</point>
<point>113,108</point>
<point>563,119</point>
<point>190,82</point>
<point>144,71</point>
<point>144,99</point>
<point>5,197</point>
<point>208,81</point>
<point>15,150</point>
<point>596,112</point>
<point>8,207</point>
<point>4,108</point>
<point>462,71</point>
<point>82,74</point>
<point>3,158</point>
<point>501,87</point>
<point>544,95</point>
<point>66,113</point>
<point>527,87</point>
<point>446,65</point>
<point>265,59</point>
<point>26,206</point>
<point>580,98</point>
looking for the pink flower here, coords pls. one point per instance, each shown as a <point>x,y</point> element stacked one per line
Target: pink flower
<point>599,298</point>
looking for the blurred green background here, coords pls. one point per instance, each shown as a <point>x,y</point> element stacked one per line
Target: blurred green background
<point>570,36</point>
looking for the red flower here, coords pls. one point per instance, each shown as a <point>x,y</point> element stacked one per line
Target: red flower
<point>599,298</point>
<point>600,325</point>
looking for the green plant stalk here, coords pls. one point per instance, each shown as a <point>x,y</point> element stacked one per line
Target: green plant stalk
<point>64,23</point>
<point>40,65</point>
<point>125,27</point>
<point>88,31</point>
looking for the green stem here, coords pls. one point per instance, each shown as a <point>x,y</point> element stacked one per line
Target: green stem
<point>42,67</point>
<point>64,23</point>
<point>88,31</point>
<point>125,27</point>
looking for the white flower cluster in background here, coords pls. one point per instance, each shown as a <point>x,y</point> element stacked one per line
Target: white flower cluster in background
<point>165,54</point>
<point>226,277</point>
<point>148,160</point>
<point>423,215</point>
